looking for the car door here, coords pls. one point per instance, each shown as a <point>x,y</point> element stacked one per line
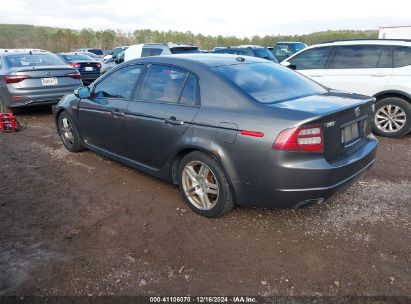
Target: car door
<point>101,117</point>
<point>311,62</point>
<point>363,69</point>
<point>166,103</point>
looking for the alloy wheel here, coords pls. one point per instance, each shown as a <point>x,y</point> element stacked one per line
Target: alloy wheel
<point>200,185</point>
<point>66,131</point>
<point>390,118</point>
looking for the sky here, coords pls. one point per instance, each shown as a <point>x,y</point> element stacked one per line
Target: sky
<point>210,17</point>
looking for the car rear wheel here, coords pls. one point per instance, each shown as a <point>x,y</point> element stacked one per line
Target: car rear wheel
<point>392,117</point>
<point>204,185</point>
<point>68,133</point>
<point>4,108</point>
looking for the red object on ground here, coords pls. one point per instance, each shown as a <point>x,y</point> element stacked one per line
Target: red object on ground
<point>9,123</point>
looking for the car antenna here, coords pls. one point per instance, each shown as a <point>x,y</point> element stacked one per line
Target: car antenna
<point>30,52</point>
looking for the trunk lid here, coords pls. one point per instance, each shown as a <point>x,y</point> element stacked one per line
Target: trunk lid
<point>44,78</point>
<point>345,119</point>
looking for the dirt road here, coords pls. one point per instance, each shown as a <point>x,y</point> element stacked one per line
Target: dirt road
<point>80,224</point>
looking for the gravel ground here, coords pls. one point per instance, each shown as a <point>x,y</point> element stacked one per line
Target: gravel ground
<point>80,224</point>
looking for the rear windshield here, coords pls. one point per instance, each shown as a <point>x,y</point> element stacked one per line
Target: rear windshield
<point>27,60</point>
<point>269,82</point>
<point>77,57</point>
<point>184,50</point>
<point>96,51</point>
<point>264,53</point>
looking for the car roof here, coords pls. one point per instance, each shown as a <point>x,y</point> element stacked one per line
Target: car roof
<point>6,52</point>
<point>366,41</point>
<point>209,60</point>
<point>290,42</point>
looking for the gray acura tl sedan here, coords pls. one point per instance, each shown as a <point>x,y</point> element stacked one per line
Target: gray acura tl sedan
<point>227,130</point>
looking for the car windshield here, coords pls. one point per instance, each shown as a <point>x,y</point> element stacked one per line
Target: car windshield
<point>115,51</point>
<point>296,47</point>
<point>32,60</point>
<point>264,53</point>
<point>184,50</point>
<point>269,82</point>
<point>77,57</point>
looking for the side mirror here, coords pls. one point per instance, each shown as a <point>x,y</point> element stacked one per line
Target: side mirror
<point>82,92</point>
<point>292,67</point>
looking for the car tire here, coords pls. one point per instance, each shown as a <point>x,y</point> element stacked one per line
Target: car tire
<point>4,108</point>
<point>68,133</point>
<point>390,113</point>
<point>204,185</point>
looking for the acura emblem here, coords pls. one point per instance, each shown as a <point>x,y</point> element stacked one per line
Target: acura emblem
<point>357,111</point>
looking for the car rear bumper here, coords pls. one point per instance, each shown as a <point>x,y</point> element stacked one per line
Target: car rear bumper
<point>290,181</point>
<point>30,98</point>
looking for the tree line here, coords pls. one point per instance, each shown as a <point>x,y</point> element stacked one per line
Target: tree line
<point>60,39</point>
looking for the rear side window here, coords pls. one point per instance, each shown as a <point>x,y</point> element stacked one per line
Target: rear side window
<point>163,84</point>
<point>191,94</point>
<point>402,56</point>
<point>315,58</point>
<point>385,60</point>
<point>34,60</point>
<point>356,57</point>
<point>150,52</point>
<point>269,82</point>
<point>119,84</point>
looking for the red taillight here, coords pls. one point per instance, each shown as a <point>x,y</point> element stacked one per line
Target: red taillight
<point>14,78</point>
<point>74,75</point>
<point>300,139</point>
<point>75,65</point>
<point>98,65</point>
<point>252,133</point>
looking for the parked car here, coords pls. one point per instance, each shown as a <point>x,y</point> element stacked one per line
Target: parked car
<point>155,49</point>
<point>92,55</point>
<point>114,52</point>
<point>87,66</point>
<point>98,52</point>
<point>247,50</point>
<point>110,63</point>
<point>34,77</point>
<point>283,50</point>
<point>228,130</point>
<point>379,68</point>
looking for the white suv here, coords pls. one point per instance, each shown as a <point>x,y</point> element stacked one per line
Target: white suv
<point>379,68</point>
<point>155,49</point>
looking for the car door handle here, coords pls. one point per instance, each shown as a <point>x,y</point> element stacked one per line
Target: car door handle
<point>116,112</point>
<point>172,120</point>
<point>315,75</point>
<point>379,75</point>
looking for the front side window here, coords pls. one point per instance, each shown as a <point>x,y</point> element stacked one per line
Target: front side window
<point>163,84</point>
<point>119,84</point>
<point>311,59</point>
<point>402,56</point>
<point>356,57</point>
<point>269,82</point>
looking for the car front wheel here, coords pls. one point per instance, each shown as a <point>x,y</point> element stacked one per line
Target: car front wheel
<point>392,117</point>
<point>68,133</point>
<point>204,185</point>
